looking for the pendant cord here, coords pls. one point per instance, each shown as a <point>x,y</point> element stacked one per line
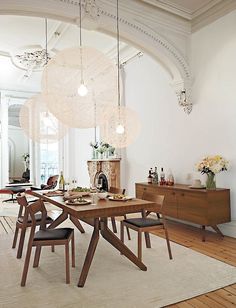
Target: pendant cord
<point>80,24</point>
<point>46,38</point>
<point>80,42</point>
<point>118,50</point>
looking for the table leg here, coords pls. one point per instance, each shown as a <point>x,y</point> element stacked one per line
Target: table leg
<point>117,243</point>
<point>77,223</point>
<point>90,253</point>
<point>62,217</point>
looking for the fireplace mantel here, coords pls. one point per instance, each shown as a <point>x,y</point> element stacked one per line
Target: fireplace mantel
<point>109,167</point>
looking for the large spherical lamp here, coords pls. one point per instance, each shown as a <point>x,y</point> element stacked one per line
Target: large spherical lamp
<point>71,95</point>
<point>38,123</point>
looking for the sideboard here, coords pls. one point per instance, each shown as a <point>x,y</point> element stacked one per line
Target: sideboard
<point>200,206</point>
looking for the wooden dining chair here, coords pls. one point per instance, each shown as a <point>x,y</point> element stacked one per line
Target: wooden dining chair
<point>23,222</point>
<point>146,224</point>
<point>120,191</point>
<point>46,237</point>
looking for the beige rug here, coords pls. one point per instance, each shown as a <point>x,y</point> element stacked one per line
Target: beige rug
<point>113,281</point>
<point>11,209</point>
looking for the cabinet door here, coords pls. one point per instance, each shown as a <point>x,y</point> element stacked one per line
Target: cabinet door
<point>140,189</point>
<point>192,206</point>
<point>170,202</point>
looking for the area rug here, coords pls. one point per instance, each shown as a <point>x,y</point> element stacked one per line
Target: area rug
<point>113,281</point>
<point>11,209</point>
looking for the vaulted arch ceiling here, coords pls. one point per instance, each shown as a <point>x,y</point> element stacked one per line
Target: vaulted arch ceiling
<point>138,27</point>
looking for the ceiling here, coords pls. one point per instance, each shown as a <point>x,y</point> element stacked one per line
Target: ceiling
<point>188,9</point>
<point>22,42</point>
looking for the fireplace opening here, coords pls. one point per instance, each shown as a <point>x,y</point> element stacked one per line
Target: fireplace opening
<point>101,181</point>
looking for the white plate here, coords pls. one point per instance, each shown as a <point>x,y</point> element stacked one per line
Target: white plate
<point>198,187</point>
<point>126,198</point>
<point>69,202</point>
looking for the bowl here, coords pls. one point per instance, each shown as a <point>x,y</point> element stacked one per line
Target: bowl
<point>102,195</point>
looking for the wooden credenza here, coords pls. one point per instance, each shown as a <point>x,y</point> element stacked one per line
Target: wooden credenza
<point>199,206</point>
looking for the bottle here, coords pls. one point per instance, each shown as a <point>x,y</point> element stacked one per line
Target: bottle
<point>155,176</point>
<point>150,177</point>
<point>162,177</point>
<point>62,182</point>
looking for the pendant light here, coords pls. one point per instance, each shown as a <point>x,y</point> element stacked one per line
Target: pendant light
<point>71,79</point>
<point>121,125</point>
<point>36,120</point>
<point>82,90</point>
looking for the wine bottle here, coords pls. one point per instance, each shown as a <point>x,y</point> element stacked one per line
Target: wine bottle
<point>155,176</point>
<point>150,177</point>
<point>62,182</point>
<point>162,177</point>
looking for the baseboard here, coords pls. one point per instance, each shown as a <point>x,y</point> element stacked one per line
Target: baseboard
<point>228,229</point>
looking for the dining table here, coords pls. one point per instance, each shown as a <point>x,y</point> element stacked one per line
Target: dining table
<point>96,214</point>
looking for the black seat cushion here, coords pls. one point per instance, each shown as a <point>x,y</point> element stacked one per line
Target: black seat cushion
<point>38,218</point>
<point>15,190</point>
<point>53,234</point>
<point>143,222</point>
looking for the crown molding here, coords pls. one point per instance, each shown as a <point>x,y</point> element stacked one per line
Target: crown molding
<point>219,10</point>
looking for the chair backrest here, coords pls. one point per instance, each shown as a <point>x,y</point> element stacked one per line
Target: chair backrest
<point>52,181</point>
<point>153,197</point>
<point>22,201</point>
<point>36,207</point>
<point>116,190</point>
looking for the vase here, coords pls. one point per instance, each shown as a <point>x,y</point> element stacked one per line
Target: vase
<point>93,153</point>
<point>211,181</point>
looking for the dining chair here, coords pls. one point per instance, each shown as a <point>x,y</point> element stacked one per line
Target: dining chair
<point>145,224</point>
<point>23,222</point>
<point>120,191</point>
<point>46,237</point>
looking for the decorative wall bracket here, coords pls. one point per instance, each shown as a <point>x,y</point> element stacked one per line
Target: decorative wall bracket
<point>184,95</point>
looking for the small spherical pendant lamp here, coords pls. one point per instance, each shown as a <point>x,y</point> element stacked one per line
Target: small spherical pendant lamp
<point>38,123</point>
<point>121,126</point>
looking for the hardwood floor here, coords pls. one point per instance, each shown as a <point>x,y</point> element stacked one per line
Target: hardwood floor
<point>223,249</point>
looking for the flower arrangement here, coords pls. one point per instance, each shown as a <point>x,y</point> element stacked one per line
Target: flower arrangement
<point>101,148</point>
<point>212,164</point>
<point>25,157</point>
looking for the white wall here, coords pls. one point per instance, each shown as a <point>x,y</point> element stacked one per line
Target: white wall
<point>172,139</point>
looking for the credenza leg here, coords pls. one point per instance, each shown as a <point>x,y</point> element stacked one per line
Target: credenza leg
<point>217,230</point>
<point>203,233</point>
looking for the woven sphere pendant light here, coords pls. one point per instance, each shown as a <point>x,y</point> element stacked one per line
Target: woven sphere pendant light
<point>70,98</point>
<point>120,127</point>
<point>38,123</point>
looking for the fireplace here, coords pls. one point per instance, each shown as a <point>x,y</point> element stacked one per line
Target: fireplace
<point>104,173</point>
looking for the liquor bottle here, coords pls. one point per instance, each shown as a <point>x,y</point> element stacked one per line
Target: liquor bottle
<point>155,176</point>
<point>162,177</point>
<point>62,182</point>
<point>150,177</point>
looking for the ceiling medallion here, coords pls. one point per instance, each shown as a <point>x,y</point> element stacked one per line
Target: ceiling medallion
<point>30,58</point>
<point>90,7</point>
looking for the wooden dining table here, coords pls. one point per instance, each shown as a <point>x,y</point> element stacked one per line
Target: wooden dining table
<point>96,214</point>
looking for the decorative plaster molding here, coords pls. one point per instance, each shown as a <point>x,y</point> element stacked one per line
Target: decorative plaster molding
<point>138,33</point>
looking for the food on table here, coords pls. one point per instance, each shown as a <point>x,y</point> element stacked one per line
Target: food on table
<point>81,189</point>
<point>118,197</point>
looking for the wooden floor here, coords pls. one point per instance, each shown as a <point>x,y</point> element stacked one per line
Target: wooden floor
<point>223,249</point>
